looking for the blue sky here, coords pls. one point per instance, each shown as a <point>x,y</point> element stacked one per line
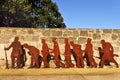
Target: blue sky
<point>100,14</point>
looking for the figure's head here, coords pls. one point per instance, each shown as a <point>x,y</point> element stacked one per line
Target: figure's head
<point>53,39</point>
<point>102,41</point>
<point>43,40</point>
<point>71,43</point>
<point>99,48</point>
<point>16,38</point>
<point>89,40</point>
<point>66,40</point>
<point>25,45</point>
<point>79,46</point>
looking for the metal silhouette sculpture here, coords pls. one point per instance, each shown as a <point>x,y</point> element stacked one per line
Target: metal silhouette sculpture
<point>67,54</point>
<point>89,52</point>
<point>108,53</point>
<point>34,52</point>
<point>7,67</point>
<point>78,52</point>
<point>107,62</point>
<point>23,57</point>
<point>45,54</point>
<point>16,52</point>
<point>56,52</point>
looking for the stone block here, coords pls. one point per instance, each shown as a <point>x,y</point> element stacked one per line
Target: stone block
<point>96,36</point>
<point>76,33</point>
<point>114,37</point>
<point>45,32</point>
<point>83,33</point>
<point>56,33</point>
<point>67,33</point>
<point>107,31</point>
<point>31,31</point>
<point>82,40</point>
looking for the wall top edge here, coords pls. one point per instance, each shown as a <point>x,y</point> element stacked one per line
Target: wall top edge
<point>57,28</point>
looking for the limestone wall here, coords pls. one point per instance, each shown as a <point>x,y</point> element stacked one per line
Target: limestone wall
<point>33,37</point>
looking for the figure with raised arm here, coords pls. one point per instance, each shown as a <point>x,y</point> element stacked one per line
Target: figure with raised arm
<point>107,62</point>
<point>108,53</point>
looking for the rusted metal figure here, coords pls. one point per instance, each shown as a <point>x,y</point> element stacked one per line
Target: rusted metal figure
<point>89,52</point>
<point>78,52</point>
<point>107,62</point>
<point>16,52</point>
<point>108,53</point>
<point>23,57</point>
<point>45,53</point>
<point>34,52</point>
<point>67,54</point>
<point>56,52</point>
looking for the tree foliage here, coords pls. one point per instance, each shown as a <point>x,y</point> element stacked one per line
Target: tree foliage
<point>30,13</point>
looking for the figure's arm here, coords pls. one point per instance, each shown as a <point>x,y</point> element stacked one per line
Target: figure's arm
<point>20,49</point>
<point>111,47</point>
<point>9,47</point>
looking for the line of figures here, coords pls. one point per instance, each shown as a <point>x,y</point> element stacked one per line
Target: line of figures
<point>18,54</point>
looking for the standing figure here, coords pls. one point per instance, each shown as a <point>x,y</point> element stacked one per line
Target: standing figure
<point>23,57</point>
<point>56,52</point>
<point>16,52</point>
<point>45,53</point>
<point>78,53</point>
<point>107,62</point>
<point>67,54</point>
<point>108,53</point>
<point>34,52</point>
<point>89,52</point>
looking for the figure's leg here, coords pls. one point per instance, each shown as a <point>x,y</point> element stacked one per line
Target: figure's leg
<point>82,62</point>
<point>56,61</point>
<point>61,64</point>
<point>40,60</point>
<point>78,62</point>
<point>102,61</point>
<point>36,62</point>
<point>87,60</point>
<point>18,62</point>
<point>94,63</point>
<point>13,62</point>
<point>67,62</point>
<point>90,61</point>
<point>31,64</point>
<point>115,62</point>
<point>71,64</point>
<point>46,64</point>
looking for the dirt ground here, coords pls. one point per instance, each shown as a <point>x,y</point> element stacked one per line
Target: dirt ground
<point>61,74</point>
<point>59,71</point>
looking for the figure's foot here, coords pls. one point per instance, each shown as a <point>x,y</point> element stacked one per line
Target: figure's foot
<point>13,67</point>
<point>30,67</point>
<point>95,66</point>
<point>100,67</point>
<point>117,66</point>
<point>63,66</point>
<point>46,67</point>
<point>72,65</point>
